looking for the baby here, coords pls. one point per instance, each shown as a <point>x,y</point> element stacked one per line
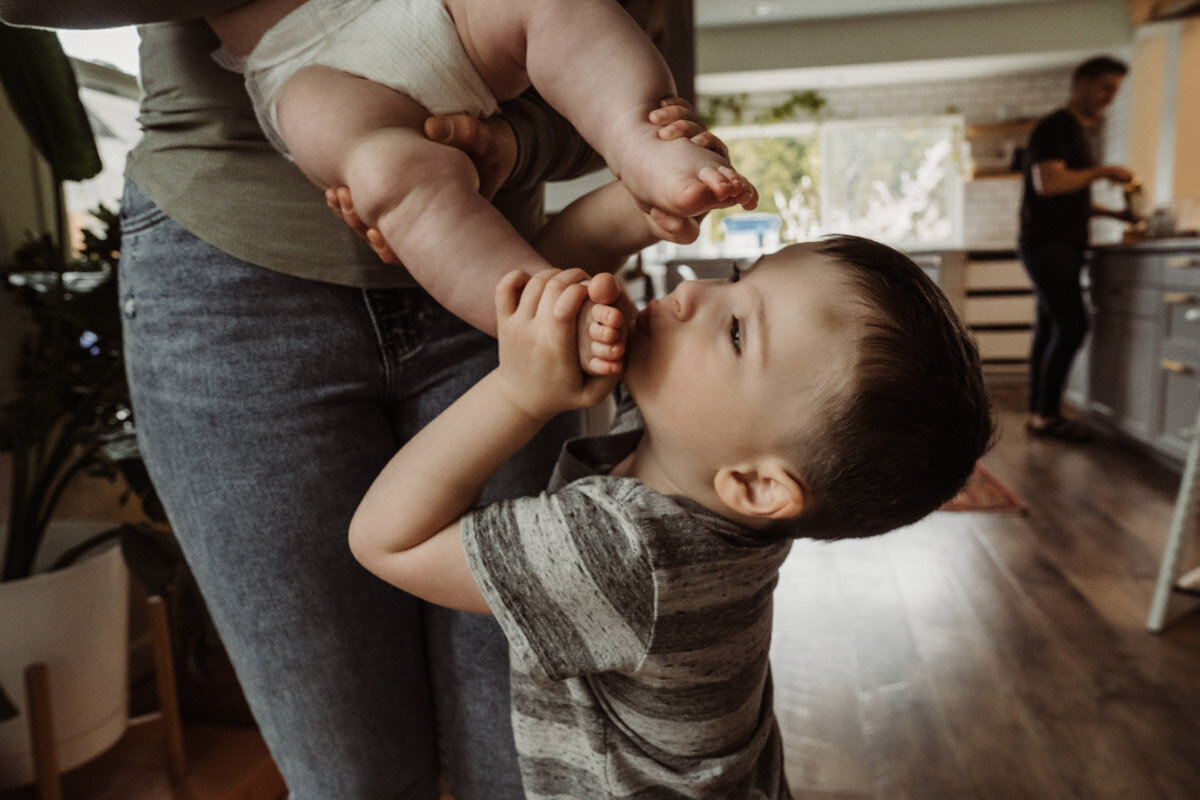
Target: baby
<point>829,392</point>
<point>344,87</point>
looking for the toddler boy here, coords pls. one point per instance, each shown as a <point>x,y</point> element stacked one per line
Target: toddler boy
<point>344,87</point>
<point>829,392</point>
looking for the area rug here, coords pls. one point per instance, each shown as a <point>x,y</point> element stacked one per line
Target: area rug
<point>983,492</point>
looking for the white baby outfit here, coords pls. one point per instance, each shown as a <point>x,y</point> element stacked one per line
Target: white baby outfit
<point>411,46</point>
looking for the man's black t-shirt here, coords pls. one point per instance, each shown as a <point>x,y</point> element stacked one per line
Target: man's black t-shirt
<point>1062,217</point>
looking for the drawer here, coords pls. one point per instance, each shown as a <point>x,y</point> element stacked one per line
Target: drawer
<point>1000,274</point>
<point>1124,299</point>
<point>1181,269</point>
<point>1124,266</point>
<point>1003,345</point>
<point>1179,368</point>
<point>1179,357</point>
<point>999,309</point>
<point>1181,316</point>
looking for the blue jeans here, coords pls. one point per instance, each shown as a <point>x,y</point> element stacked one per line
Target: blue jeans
<point>265,406</point>
<point>1061,321</point>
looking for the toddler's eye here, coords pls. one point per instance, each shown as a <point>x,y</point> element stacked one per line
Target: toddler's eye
<point>735,334</point>
<point>737,273</point>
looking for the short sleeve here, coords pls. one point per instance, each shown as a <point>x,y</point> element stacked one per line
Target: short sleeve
<point>567,578</point>
<point>1051,140</point>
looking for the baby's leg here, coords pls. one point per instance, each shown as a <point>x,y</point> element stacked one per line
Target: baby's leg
<point>423,197</point>
<point>590,61</point>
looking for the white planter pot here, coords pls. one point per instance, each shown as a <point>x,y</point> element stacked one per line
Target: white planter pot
<point>76,622</point>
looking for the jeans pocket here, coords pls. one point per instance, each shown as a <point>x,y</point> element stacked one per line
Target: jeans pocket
<point>138,212</point>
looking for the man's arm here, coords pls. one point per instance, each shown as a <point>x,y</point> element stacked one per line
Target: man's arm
<point>1053,177</point>
<point>105,13</point>
<point>406,530</point>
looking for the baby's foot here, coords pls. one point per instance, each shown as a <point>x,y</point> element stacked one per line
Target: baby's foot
<point>682,178</point>
<point>603,327</point>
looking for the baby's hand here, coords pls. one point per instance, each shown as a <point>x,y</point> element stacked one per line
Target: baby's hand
<point>603,326</point>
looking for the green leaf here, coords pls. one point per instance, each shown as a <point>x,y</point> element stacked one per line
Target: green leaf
<point>41,88</point>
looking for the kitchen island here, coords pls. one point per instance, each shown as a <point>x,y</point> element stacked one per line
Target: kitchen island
<point>1138,375</point>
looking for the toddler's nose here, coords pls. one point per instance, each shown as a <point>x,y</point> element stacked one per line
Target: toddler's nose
<point>683,299</point>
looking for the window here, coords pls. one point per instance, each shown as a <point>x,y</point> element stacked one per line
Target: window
<point>896,180</point>
<point>105,67</point>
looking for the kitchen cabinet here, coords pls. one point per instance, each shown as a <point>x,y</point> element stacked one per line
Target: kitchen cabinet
<point>1140,374</point>
<point>992,294</point>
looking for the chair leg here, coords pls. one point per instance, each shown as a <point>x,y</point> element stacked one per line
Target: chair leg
<point>164,679</point>
<point>41,732</point>
<point>1181,526</point>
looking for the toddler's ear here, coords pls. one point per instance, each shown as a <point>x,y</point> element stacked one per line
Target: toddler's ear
<point>765,490</point>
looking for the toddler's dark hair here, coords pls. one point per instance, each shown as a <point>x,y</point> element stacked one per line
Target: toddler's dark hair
<point>902,439</point>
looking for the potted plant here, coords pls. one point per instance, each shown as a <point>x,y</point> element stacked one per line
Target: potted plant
<point>70,415</point>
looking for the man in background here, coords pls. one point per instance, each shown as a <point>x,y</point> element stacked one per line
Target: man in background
<point>1060,167</point>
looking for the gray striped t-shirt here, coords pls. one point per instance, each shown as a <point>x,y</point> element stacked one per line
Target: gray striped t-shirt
<point>638,627</point>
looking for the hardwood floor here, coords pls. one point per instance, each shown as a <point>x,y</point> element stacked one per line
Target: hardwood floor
<point>991,655</point>
<point>996,655</point>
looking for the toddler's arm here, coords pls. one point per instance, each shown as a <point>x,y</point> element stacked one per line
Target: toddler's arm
<point>406,530</point>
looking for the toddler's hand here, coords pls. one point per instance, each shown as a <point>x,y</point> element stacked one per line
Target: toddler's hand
<point>539,356</point>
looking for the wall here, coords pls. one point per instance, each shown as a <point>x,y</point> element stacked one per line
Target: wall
<point>969,32</point>
<point>1166,86</point>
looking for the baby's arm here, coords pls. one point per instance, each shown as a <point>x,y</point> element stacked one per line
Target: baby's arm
<point>406,530</point>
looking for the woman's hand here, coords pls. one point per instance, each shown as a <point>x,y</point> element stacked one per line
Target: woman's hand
<point>490,144</point>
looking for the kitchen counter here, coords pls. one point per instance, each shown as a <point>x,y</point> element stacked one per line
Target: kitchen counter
<point>1139,372</point>
<point>1166,245</point>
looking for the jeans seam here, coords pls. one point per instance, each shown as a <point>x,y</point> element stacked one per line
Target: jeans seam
<point>396,320</point>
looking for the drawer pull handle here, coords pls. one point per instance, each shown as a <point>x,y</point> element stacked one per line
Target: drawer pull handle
<point>1178,367</point>
<point>1183,262</point>
<point>1179,298</point>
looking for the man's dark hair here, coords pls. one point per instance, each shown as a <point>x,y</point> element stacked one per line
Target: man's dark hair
<point>1099,67</point>
<point>904,436</point>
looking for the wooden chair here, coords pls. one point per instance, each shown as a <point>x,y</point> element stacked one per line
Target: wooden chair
<point>41,719</point>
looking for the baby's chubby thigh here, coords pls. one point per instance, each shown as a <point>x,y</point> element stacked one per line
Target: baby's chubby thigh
<point>346,130</point>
